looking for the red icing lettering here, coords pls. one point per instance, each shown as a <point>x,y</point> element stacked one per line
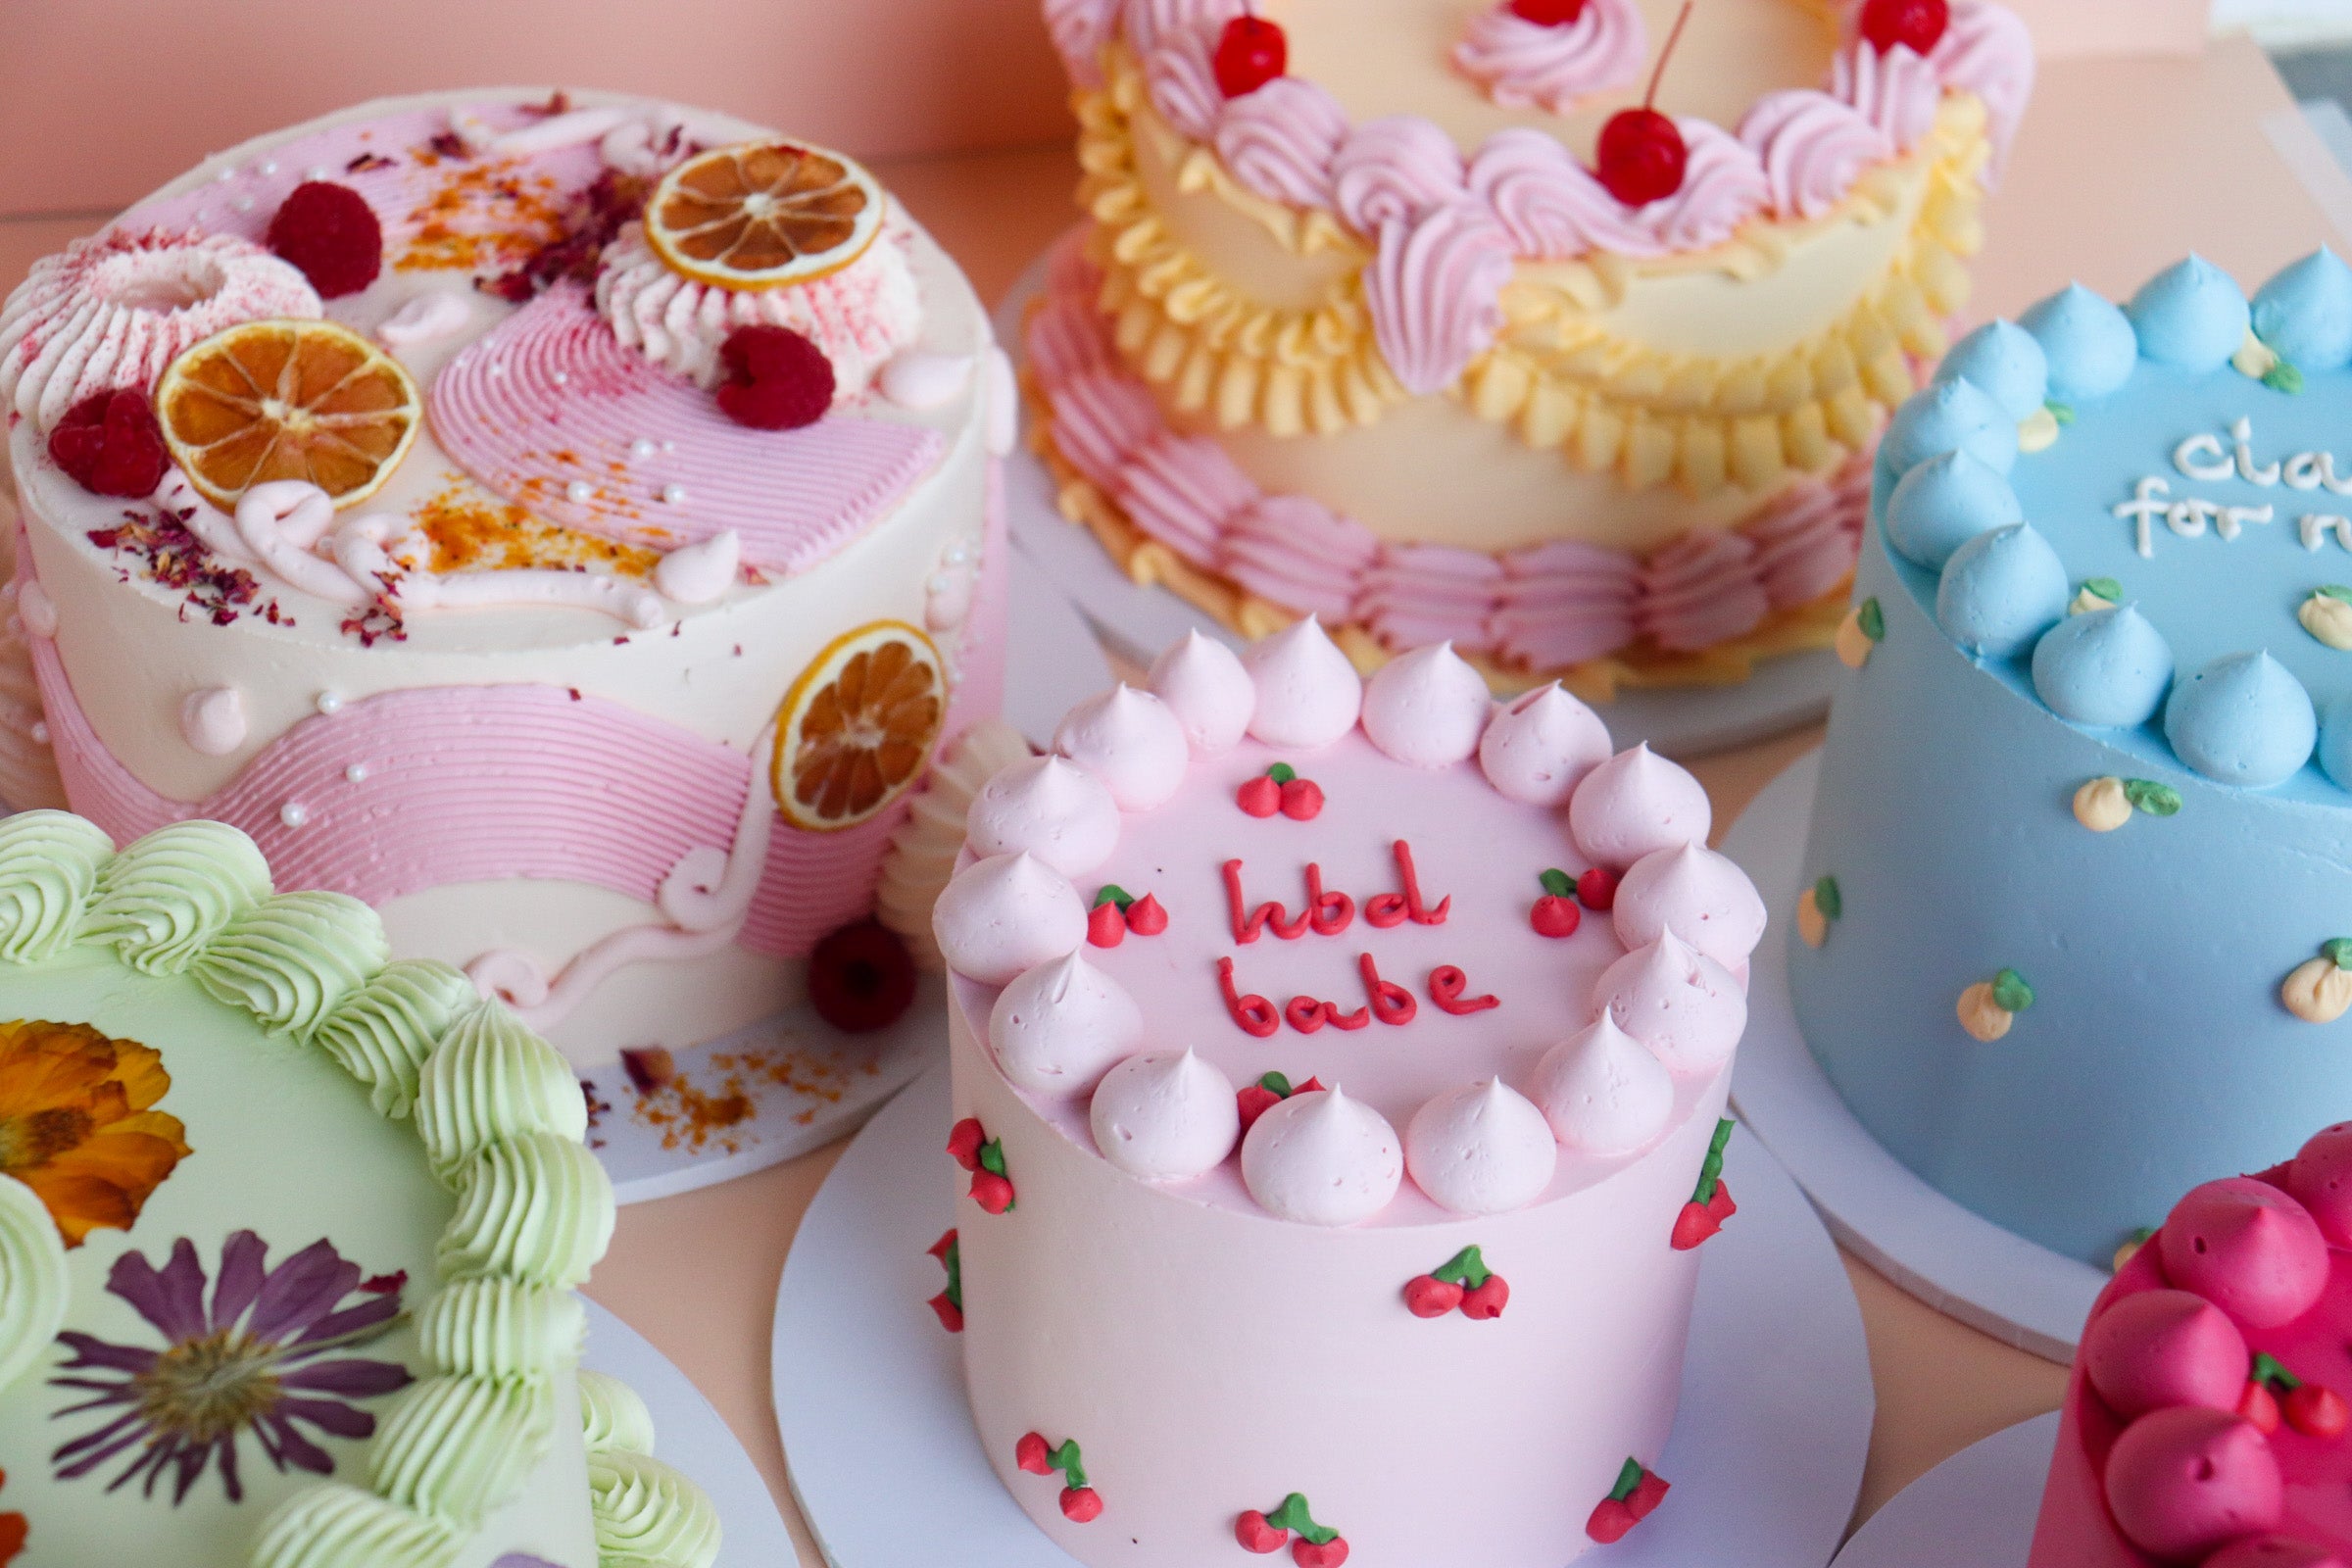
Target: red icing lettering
<point>1386,909</point>
<point>1249,923</point>
<point>1391,1002</point>
<point>1446,987</point>
<point>1306,1014</point>
<point>1330,912</point>
<point>1253,1013</point>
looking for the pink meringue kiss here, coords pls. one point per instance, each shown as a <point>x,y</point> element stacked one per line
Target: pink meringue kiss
<point>2184,1481</point>
<point>1688,1008</point>
<point>1006,914</point>
<point>2158,1349</point>
<point>1538,749</point>
<point>1057,1029</point>
<point>2248,1248</point>
<point>1203,684</point>
<point>1636,803</point>
<point>1702,896</point>
<point>1604,1091</point>
<point>1322,1158</point>
<point>1427,708</point>
<point>1130,741</point>
<point>1047,807</point>
<point>2320,1180</point>
<point>1482,1149</point>
<point>1308,694</point>
<point>1165,1116</point>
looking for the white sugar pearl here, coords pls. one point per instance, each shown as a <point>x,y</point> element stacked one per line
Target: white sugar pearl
<point>328,703</point>
<point>673,495</point>
<point>642,449</point>
<point>356,774</point>
<point>293,814</point>
<point>579,492</point>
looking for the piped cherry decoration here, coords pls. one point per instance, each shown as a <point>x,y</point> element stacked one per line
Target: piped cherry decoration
<point>1106,924</point>
<point>1555,913</point>
<point>1634,1498</point>
<point>1918,23</point>
<point>1548,13</point>
<point>1118,911</point>
<point>949,1303</point>
<point>2275,1394</point>
<point>1596,889</point>
<point>1080,1503</point>
<point>1267,1093</point>
<point>1250,52</point>
<point>1711,1201</point>
<point>1643,157</point>
<point>1465,1284</point>
<point>1317,1545</point>
<point>1280,789</point>
<point>984,1157</point>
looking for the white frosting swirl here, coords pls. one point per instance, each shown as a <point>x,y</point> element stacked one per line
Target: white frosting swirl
<point>1308,694</point>
<point>1482,1149</point>
<point>1427,708</point>
<point>1541,746</point>
<point>1006,914</point>
<point>427,317</point>
<point>1681,1004</point>
<point>1204,685</point>
<point>1057,1029</point>
<point>1701,895</point>
<point>860,317</point>
<point>1533,65</point>
<point>700,573</point>
<point>1636,804</point>
<point>1130,741</point>
<point>1322,1158</point>
<point>1604,1091</point>
<point>1165,1116</point>
<point>1049,807</point>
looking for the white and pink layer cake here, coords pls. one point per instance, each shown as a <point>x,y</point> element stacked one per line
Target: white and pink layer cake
<point>538,737</point>
<point>1339,1074</point>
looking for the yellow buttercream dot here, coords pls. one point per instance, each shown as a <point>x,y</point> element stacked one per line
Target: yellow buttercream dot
<point>2038,432</point>
<point>2327,619</point>
<point>1811,923</point>
<point>2101,804</point>
<point>1853,644</point>
<point>2318,991</point>
<point>1981,1016</point>
<point>2254,357</point>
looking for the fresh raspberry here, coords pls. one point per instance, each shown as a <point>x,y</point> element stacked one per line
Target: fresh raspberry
<point>110,444</point>
<point>776,378</point>
<point>861,978</point>
<point>330,233</point>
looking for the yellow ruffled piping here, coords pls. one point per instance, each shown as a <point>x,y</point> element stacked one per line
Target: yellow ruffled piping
<point>1557,377</point>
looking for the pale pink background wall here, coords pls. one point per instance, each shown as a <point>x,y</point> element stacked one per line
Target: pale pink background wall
<point>102,100</point>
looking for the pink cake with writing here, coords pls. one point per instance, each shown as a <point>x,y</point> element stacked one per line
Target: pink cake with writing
<point>565,523</point>
<point>1338,1079</point>
<point>2206,1419</point>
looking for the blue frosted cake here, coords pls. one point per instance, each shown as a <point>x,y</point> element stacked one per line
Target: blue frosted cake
<point>2080,880</point>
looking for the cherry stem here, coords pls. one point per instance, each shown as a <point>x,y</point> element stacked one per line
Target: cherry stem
<point>1673,38</point>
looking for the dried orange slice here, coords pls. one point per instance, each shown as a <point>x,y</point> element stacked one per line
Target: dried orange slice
<point>858,728</point>
<point>764,214</point>
<point>287,400</point>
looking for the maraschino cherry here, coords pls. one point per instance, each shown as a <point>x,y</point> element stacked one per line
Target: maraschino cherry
<point>1251,53</point>
<point>1548,13</point>
<point>1643,157</point>
<point>1919,24</point>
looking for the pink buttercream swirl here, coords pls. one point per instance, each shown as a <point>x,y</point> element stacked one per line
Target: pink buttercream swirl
<point>1813,148</point>
<point>1723,187</point>
<point>1280,141</point>
<point>1435,292</point>
<point>1547,606</point>
<point>1527,65</point>
<point>1184,88</point>
<point>1550,204</point>
<point>1392,171</point>
<point>1898,91</point>
<point>1988,51</point>
<point>1079,29</point>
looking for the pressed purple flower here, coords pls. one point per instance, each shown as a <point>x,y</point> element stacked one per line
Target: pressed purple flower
<point>261,1357</point>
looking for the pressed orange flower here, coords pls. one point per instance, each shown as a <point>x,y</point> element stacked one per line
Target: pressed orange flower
<point>78,1123</point>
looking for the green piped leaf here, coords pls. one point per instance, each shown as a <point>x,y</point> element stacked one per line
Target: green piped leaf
<point>2334,590</point>
<point>1829,900</point>
<point>2272,1373</point>
<point>2106,588</point>
<point>2157,800</point>
<point>1275,1084</point>
<point>1066,1459</point>
<point>1293,1515</point>
<point>1113,893</point>
<point>1872,620</point>
<point>2337,951</point>
<point>1710,1169</point>
<point>1557,883</point>
<point>1466,1268</point>
<point>2010,992</point>
<point>992,1155</point>
<point>2063,412</point>
<point>1629,1477</point>
<point>2284,377</point>
<point>1282,772</point>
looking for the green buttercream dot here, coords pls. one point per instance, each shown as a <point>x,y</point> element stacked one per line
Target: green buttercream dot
<point>2338,952</point>
<point>1276,1084</point>
<point>1282,772</point>
<point>1827,900</point>
<point>992,1155</point>
<point>1113,893</point>
<point>2063,412</point>
<point>2157,800</point>
<point>2334,590</point>
<point>2011,993</point>
<point>1557,883</point>
<point>2106,588</point>
<point>1872,620</point>
<point>2284,377</point>
<point>1629,1477</point>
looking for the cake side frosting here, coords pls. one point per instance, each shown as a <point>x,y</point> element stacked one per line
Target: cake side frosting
<point>1210,997</point>
<point>256,997</point>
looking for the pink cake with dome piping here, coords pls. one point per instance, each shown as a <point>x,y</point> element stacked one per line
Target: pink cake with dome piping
<point>2206,1420</point>
<point>1301,1024</point>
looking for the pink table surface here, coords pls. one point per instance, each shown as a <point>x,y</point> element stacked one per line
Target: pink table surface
<point>2123,165</point>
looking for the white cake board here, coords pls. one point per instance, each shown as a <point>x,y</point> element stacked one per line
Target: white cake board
<point>1136,620</point>
<point>690,1435</point>
<point>1766,1462</point>
<point>1975,1511</point>
<point>1955,1261</point>
<point>817,1084</point>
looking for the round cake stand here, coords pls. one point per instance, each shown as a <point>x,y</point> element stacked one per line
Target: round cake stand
<point>1951,1259</point>
<point>1136,620</point>
<point>792,1083</point>
<point>1974,1510</point>
<point>690,1435</point>
<point>888,1470</point>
